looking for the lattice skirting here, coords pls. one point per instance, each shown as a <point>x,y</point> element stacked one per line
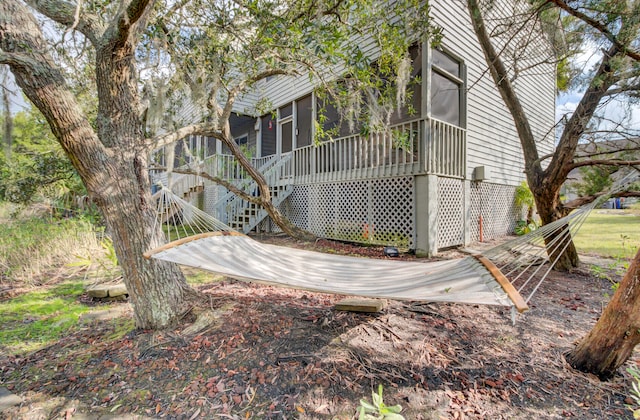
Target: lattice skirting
<point>496,204</point>
<point>375,211</point>
<point>451,223</point>
<point>382,211</point>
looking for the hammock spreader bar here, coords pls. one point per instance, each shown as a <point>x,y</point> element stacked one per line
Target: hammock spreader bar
<point>511,291</point>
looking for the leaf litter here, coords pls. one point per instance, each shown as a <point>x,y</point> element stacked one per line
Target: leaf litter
<point>275,353</point>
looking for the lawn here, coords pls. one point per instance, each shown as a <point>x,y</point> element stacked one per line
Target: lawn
<point>610,233</point>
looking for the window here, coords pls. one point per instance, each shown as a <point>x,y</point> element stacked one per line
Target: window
<point>447,88</point>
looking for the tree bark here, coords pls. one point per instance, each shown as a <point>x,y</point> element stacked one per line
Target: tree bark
<point>7,129</point>
<point>112,168</point>
<point>612,340</point>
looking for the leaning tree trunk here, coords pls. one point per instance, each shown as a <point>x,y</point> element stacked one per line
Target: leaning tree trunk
<point>265,194</point>
<point>612,340</point>
<point>113,169</point>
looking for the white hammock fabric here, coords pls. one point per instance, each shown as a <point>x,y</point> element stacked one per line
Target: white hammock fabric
<point>202,241</point>
<point>497,277</point>
<point>463,280</point>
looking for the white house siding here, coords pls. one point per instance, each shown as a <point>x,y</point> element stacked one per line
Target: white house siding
<point>492,140</point>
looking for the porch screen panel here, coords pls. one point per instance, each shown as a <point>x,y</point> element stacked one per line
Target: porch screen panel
<point>287,137</point>
<point>445,99</point>
<point>446,88</point>
<point>268,136</point>
<point>304,115</point>
<point>414,90</point>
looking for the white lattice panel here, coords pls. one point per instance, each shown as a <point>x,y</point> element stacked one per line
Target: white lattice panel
<point>367,211</point>
<point>392,213</point>
<point>496,204</point>
<point>450,212</point>
<point>212,194</point>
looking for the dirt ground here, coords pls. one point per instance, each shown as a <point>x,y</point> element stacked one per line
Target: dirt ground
<point>276,353</point>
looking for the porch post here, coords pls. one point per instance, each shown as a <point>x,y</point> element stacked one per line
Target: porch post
<point>426,226</point>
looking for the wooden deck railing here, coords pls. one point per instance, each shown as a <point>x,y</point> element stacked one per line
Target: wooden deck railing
<point>394,152</point>
<point>420,146</point>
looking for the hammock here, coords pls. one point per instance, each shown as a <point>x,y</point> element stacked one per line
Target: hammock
<point>499,276</point>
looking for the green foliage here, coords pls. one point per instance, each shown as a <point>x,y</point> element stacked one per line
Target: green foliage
<point>635,391</point>
<point>230,45</point>
<point>524,198</point>
<point>39,317</point>
<point>594,180</point>
<point>522,227</point>
<point>37,167</point>
<point>104,265</point>
<point>377,409</point>
<point>31,247</point>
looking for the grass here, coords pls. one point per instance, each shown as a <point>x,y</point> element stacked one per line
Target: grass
<point>31,247</point>
<point>37,318</point>
<point>610,233</point>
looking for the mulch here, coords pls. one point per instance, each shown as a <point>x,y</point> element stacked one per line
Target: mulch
<point>276,353</point>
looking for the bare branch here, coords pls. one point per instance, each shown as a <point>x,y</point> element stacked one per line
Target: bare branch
<point>599,27</point>
<point>18,60</point>
<point>64,12</point>
<point>126,21</point>
<point>501,78</point>
<point>194,129</point>
<point>237,191</point>
<point>240,87</point>
<point>607,152</point>
<point>606,162</point>
<point>581,201</point>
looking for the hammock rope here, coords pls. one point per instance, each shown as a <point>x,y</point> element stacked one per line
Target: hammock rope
<point>499,276</point>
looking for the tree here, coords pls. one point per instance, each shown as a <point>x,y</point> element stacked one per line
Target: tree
<point>37,166</point>
<point>616,333</point>
<point>615,28</point>
<point>163,71</point>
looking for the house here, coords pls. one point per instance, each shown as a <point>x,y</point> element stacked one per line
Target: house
<point>443,177</point>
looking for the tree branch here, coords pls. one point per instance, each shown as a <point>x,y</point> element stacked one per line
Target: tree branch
<point>237,191</point>
<point>604,78</point>
<point>501,78</point>
<point>18,60</point>
<point>125,21</point>
<point>606,162</point>
<point>581,201</point>
<point>64,13</point>
<point>240,87</point>
<point>194,129</point>
<point>599,27</point>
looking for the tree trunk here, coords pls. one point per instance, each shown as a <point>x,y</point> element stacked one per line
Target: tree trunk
<point>115,176</point>
<point>157,289</point>
<point>612,340</point>
<point>560,245</point>
<point>7,128</point>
